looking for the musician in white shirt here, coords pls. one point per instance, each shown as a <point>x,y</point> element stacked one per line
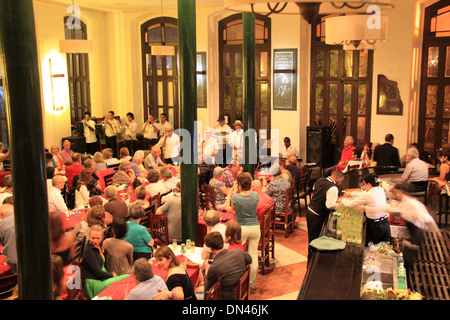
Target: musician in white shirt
<point>89,133</point>
<point>112,128</point>
<point>130,133</point>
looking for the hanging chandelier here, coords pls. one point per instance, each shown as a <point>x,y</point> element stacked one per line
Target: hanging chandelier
<point>356,32</point>
<point>308,9</point>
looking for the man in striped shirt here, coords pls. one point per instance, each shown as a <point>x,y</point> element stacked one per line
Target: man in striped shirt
<point>147,284</point>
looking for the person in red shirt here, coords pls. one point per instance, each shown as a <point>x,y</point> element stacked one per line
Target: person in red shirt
<point>346,156</point>
<point>265,201</point>
<point>73,169</point>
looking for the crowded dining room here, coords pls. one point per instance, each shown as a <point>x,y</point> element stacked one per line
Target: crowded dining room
<point>229,150</point>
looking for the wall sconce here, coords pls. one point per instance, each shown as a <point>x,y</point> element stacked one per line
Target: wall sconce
<point>59,89</point>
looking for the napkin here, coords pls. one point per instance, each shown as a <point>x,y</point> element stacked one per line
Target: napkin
<point>327,243</point>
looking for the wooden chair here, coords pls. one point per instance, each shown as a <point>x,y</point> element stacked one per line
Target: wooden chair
<point>78,251</point>
<point>303,191</point>
<point>7,284</point>
<point>287,218</point>
<point>108,179</point>
<point>214,292</point>
<point>243,285</point>
<point>444,208</point>
<point>272,230</point>
<point>209,198</point>
<point>264,243</point>
<point>420,190</point>
<point>154,203</point>
<point>114,166</point>
<point>159,229</point>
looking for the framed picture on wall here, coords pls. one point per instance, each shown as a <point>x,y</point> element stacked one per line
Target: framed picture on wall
<point>285,79</point>
<point>389,101</point>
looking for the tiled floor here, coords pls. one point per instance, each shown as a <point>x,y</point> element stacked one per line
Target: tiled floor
<point>285,281</point>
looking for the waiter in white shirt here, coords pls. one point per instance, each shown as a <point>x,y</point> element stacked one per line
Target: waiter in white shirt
<point>150,130</point>
<point>112,128</point>
<point>130,133</point>
<point>89,133</point>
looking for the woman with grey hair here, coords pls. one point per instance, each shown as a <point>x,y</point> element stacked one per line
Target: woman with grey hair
<point>220,190</point>
<point>124,174</point>
<point>137,234</point>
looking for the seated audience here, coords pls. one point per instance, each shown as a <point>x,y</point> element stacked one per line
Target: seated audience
<point>230,173</point>
<point>124,154</point>
<point>148,284</point>
<point>95,215</point>
<point>7,190</point>
<point>293,167</point>
<point>93,271</point>
<point>108,156</point>
<point>212,221</point>
<point>61,242</point>
<point>168,180</point>
<point>346,156</point>
<point>93,186</point>
<point>178,283</point>
<point>137,234</point>
<point>116,207</point>
<point>153,160</point>
<point>100,163</point>
<point>3,156</point>
<point>155,185</point>
<point>367,154</point>
<point>404,160</point>
<point>73,169</point>
<point>172,208</point>
<point>124,174</point>
<point>276,189</point>
<point>82,193</point>
<point>66,154</point>
<point>8,235</point>
<point>355,161</point>
<point>118,252</point>
<point>416,169</point>
<point>220,190</point>
<point>55,198</point>
<point>141,196</point>
<point>57,160</point>
<point>137,167</point>
<point>233,235</point>
<point>228,265</point>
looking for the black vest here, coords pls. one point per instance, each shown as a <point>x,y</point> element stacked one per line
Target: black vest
<point>319,198</point>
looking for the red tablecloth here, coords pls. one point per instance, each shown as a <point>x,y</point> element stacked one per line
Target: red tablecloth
<point>120,289</point>
<point>3,174</point>
<point>202,226</point>
<point>4,268</point>
<point>72,220</point>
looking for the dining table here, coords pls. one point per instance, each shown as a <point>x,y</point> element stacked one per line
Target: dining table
<point>4,268</point>
<point>119,290</point>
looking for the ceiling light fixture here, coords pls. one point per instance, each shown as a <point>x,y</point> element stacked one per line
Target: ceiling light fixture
<point>308,9</point>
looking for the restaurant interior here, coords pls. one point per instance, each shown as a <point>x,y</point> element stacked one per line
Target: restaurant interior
<point>313,71</point>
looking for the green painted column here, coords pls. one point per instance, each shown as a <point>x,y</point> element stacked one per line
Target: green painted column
<point>24,114</point>
<point>188,116</point>
<point>248,49</point>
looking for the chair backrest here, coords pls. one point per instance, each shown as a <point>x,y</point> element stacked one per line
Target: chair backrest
<point>7,284</point>
<point>159,228</point>
<point>289,205</point>
<point>108,179</point>
<point>243,285</point>
<point>214,292</point>
<point>114,166</point>
<point>78,252</point>
<point>210,198</point>
<point>154,203</point>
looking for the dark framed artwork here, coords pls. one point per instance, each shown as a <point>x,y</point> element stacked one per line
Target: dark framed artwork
<point>201,80</point>
<point>389,101</point>
<point>285,79</point>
